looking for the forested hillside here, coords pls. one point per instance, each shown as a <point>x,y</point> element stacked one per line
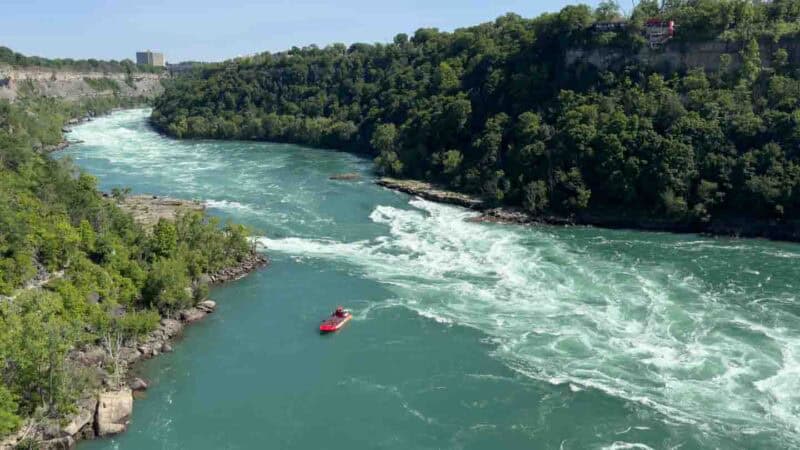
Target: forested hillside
<point>102,275</point>
<point>494,110</point>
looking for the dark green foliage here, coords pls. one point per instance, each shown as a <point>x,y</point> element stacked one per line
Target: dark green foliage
<point>165,288</point>
<point>108,275</point>
<point>494,110</point>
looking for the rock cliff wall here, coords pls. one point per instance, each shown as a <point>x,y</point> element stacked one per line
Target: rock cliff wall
<point>73,85</point>
<point>681,56</point>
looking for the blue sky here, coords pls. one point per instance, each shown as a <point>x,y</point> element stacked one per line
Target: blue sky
<point>210,30</point>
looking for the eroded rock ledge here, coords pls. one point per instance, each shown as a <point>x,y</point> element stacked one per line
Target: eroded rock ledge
<point>432,192</point>
<point>149,209</point>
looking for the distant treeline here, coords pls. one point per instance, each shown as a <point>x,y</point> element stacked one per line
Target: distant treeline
<point>494,110</point>
<point>12,58</point>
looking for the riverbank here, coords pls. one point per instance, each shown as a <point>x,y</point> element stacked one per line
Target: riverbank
<point>105,409</point>
<point>732,227</point>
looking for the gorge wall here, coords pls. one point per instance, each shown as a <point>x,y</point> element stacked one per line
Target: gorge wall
<point>70,85</point>
<point>681,56</point>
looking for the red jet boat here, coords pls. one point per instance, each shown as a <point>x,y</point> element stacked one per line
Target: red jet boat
<point>336,321</point>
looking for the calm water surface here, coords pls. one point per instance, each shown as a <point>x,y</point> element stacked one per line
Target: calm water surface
<point>466,336</point>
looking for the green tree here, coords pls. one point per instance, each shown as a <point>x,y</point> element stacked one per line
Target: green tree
<point>9,420</point>
<point>164,240</point>
<point>536,197</point>
<point>607,10</point>
<point>751,61</point>
<point>384,140</point>
<point>167,286</point>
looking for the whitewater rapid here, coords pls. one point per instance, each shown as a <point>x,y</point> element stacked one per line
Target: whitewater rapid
<point>704,331</point>
<point>634,329</point>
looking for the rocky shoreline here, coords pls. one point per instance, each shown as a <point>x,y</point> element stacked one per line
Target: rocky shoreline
<point>106,410</point>
<point>732,227</point>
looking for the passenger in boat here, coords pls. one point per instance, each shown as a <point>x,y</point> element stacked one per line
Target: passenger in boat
<point>339,311</point>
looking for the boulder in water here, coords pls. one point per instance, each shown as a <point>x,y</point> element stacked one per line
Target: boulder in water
<point>138,384</point>
<point>207,306</point>
<point>192,315</point>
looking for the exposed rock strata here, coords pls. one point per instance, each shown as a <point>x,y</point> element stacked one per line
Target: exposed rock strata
<point>71,85</point>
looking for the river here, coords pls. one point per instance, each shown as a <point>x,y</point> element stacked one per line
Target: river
<point>466,336</point>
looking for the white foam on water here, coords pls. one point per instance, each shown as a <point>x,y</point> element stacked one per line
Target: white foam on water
<point>118,139</point>
<point>620,445</point>
<point>230,205</point>
<point>645,333</point>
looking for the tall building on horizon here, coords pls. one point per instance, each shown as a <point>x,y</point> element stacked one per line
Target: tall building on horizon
<point>150,58</point>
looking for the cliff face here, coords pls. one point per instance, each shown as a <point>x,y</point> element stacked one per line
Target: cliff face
<point>680,56</point>
<point>74,85</point>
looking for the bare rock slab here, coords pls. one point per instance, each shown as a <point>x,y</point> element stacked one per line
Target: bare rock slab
<point>192,315</point>
<point>83,418</point>
<point>114,411</point>
<point>207,306</point>
<point>64,443</point>
<point>171,327</point>
<point>138,384</point>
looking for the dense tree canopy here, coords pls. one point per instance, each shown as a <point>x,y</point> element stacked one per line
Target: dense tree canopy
<point>495,110</point>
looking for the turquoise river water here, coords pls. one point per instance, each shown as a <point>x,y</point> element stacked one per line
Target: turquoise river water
<point>466,336</point>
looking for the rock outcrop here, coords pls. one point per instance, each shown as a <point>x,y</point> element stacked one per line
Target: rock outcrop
<point>138,384</point>
<point>149,209</point>
<point>680,56</point>
<point>83,419</point>
<point>71,85</point>
<point>62,443</point>
<point>253,262</point>
<point>114,410</point>
<point>207,305</point>
<point>432,192</point>
<point>192,315</point>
